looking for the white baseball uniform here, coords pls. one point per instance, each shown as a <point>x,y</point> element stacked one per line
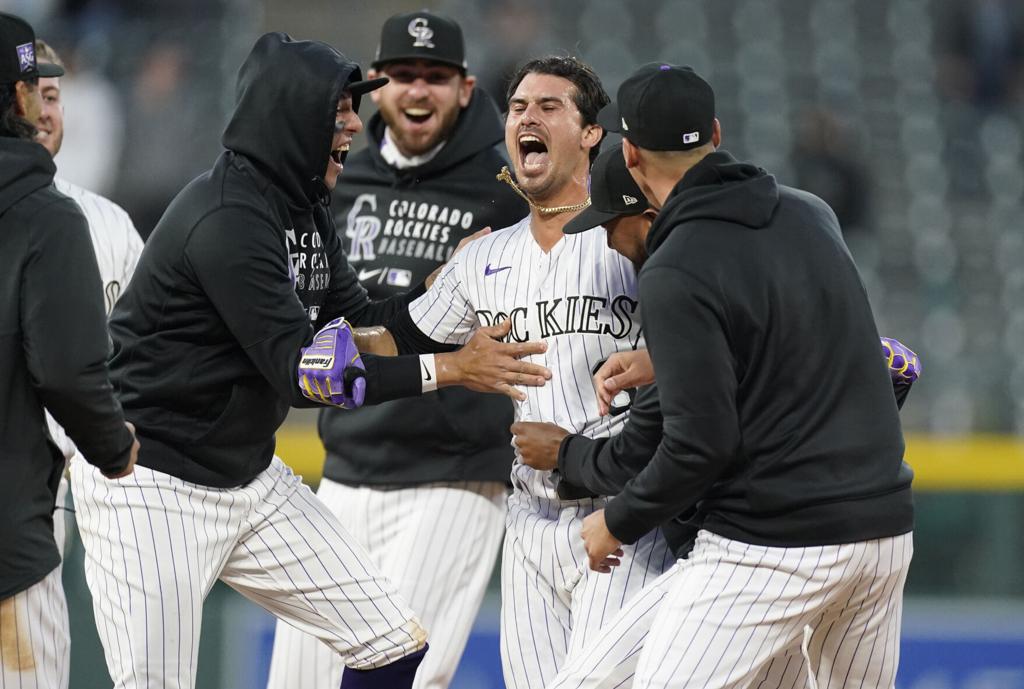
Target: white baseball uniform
<point>579,297</point>
<point>272,540</point>
<point>114,238</point>
<point>420,537</point>
<point>117,245</point>
<point>35,621</point>
<point>816,616</point>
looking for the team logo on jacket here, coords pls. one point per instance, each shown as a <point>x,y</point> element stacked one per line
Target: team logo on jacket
<point>419,30</point>
<point>362,228</point>
<point>383,230</point>
<point>308,267</point>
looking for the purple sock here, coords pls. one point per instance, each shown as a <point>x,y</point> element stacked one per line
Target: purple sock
<point>397,675</point>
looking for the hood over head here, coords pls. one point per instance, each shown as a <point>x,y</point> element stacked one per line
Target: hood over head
<point>718,188</point>
<point>286,101</point>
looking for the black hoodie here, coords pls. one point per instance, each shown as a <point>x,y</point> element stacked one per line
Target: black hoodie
<point>397,226</point>
<point>242,268</point>
<point>53,350</point>
<point>780,426</point>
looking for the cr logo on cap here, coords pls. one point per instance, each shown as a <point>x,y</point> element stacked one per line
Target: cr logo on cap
<point>419,30</point>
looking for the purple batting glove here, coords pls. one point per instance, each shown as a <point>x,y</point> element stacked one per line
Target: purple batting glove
<point>904,366</point>
<point>330,370</point>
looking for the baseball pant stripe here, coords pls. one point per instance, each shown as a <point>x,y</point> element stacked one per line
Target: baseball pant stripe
<point>748,606</point>
<point>233,534</point>
<point>609,659</point>
<point>326,587</point>
<point>34,637</point>
<point>551,602</point>
<point>437,543</point>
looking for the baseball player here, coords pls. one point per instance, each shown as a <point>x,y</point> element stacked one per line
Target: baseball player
<point>795,481</point>
<point>115,241</point>
<point>213,340</point>
<point>605,465</point>
<point>53,353</point>
<point>427,496</point>
<point>579,296</point>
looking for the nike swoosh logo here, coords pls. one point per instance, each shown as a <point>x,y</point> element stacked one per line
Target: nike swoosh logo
<point>426,372</point>
<point>491,271</point>
<point>367,274</point>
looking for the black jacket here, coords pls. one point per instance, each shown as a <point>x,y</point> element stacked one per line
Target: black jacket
<point>53,350</point>
<point>780,425</point>
<point>241,269</point>
<point>603,466</point>
<point>397,226</point>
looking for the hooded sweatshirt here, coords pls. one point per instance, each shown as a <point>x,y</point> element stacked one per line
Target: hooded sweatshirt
<point>397,226</point>
<point>240,271</point>
<point>53,350</point>
<point>780,427</point>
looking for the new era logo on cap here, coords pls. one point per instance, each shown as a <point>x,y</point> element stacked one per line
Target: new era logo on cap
<point>613,193</point>
<point>421,31</point>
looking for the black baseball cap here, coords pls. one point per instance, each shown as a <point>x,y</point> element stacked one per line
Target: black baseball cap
<point>662,107</point>
<point>421,35</point>
<point>613,192</point>
<point>18,52</point>
<point>357,86</point>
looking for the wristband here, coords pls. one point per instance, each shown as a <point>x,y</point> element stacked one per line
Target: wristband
<point>428,372</point>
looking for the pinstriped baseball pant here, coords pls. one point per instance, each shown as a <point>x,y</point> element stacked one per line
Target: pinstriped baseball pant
<point>34,643</point>
<point>155,545</point>
<point>551,603</point>
<point>438,543</point>
<point>738,615</point>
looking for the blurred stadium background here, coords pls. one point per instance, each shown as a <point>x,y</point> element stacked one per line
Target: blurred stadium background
<point>906,115</point>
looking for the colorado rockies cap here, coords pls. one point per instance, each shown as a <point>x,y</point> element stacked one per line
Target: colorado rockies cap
<point>662,107</point>
<point>18,52</point>
<point>612,193</point>
<point>421,35</point>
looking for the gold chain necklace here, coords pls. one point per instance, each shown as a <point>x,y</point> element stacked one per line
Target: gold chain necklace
<point>506,177</point>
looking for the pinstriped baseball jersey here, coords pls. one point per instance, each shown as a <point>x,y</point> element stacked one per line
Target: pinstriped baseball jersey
<point>117,245</point>
<point>114,238</point>
<point>580,298</point>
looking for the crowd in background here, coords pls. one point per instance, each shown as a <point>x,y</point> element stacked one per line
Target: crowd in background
<point>904,116</point>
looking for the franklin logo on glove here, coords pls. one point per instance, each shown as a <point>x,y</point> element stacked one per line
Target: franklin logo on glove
<point>330,369</point>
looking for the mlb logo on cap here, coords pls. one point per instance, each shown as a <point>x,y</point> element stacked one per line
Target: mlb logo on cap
<point>669,108</point>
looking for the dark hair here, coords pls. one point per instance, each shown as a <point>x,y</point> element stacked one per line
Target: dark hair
<point>11,123</point>
<point>590,95</point>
